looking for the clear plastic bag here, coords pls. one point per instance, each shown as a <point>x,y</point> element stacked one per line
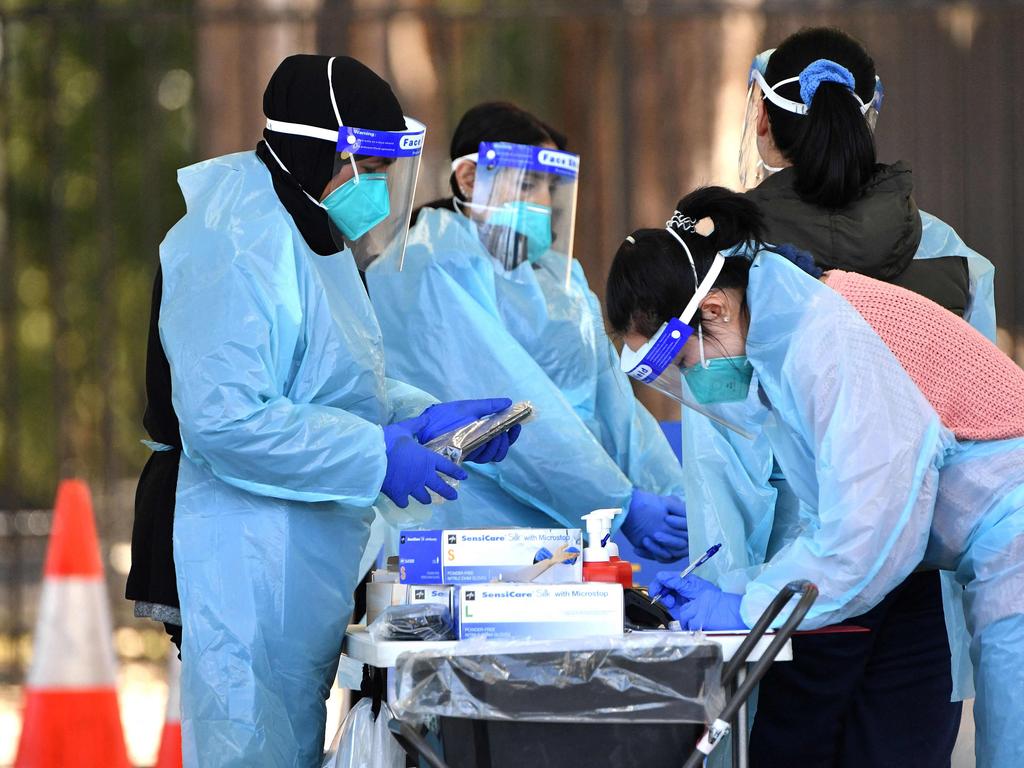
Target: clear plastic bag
<point>647,677</point>
<point>424,621</point>
<point>362,742</point>
<point>461,442</point>
<point>415,515</point>
<point>454,446</point>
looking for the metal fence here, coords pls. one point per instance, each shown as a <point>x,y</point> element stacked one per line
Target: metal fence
<point>102,101</point>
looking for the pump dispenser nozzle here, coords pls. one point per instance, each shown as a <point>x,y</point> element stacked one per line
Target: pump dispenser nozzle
<point>595,551</point>
<point>601,561</point>
<point>609,516</point>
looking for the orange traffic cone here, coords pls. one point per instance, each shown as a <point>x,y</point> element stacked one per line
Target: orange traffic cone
<point>71,716</point>
<point>170,742</point>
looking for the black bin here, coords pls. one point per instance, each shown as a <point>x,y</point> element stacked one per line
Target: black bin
<point>635,701</point>
<point>498,744</point>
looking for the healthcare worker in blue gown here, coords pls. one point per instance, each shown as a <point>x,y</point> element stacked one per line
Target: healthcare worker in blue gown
<point>808,154</point>
<point>495,302</point>
<point>883,485</point>
<point>291,430</point>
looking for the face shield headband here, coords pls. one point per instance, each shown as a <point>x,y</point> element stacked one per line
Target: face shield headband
<point>653,363</point>
<point>813,75</point>
<point>752,168</point>
<point>369,212</point>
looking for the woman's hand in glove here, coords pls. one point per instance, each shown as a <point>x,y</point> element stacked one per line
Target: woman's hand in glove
<point>412,470</point>
<point>656,526</point>
<point>696,603</point>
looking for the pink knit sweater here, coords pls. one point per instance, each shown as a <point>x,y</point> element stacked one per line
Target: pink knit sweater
<point>977,391</point>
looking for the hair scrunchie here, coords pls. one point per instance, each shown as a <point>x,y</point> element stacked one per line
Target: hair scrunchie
<point>801,258</point>
<point>824,71</point>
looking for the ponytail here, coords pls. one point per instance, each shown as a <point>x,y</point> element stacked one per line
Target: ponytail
<point>833,153</point>
<point>736,218</point>
<point>832,147</point>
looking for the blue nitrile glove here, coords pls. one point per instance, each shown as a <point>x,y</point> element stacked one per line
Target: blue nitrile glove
<point>656,526</point>
<point>659,586</point>
<point>696,603</point>
<point>495,449</point>
<point>676,591</point>
<point>413,470</point>
<point>443,418</point>
<point>546,554</point>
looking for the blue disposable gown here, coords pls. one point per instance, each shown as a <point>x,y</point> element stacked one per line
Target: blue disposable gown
<point>736,494</point>
<point>938,239</point>
<point>978,533</point>
<point>883,486</point>
<point>278,381</point>
<point>858,443</point>
<point>457,325</point>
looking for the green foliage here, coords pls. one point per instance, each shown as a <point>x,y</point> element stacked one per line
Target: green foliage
<point>511,61</point>
<point>99,114</point>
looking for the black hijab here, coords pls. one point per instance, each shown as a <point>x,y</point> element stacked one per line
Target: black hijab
<point>299,92</point>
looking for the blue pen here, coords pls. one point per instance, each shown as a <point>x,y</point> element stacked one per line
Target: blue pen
<point>690,568</point>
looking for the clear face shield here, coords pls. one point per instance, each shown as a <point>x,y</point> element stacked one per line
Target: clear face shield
<point>371,194</point>
<point>752,167</point>
<point>369,198</point>
<point>524,204</point>
<point>658,363</point>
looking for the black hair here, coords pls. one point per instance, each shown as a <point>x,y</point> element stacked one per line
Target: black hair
<point>651,281</point>
<point>492,121</point>
<point>498,121</point>
<point>832,148</point>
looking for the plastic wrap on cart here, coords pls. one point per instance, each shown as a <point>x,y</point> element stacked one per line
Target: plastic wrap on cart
<point>638,678</point>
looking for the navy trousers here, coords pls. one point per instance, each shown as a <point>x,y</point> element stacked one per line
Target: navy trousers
<point>867,700</point>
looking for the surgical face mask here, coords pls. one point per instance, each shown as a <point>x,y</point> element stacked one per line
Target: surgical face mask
<point>360,204</point>
<point>720,380</point>
<point>530,220</point>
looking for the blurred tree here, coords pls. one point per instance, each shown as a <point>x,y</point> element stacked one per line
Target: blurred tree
<point>98,113</point>
<point>101,100</point>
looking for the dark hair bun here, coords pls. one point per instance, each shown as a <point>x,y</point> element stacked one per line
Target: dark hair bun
<point>737,219</point>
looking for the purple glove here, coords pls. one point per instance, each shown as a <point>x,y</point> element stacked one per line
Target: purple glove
<point>656,526</point>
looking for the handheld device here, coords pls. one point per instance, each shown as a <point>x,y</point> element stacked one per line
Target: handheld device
<point>463,441</point>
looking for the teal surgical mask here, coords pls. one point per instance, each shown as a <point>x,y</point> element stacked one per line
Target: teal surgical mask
<point>720,380</point>
<point>530,220</point>
<point>360,204</point>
